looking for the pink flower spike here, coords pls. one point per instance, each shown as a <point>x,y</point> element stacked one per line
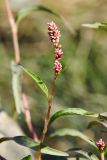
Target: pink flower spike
<point>53,32</point>
<point>58,53</point>
<point>101,144</point>
<point>57,67</point>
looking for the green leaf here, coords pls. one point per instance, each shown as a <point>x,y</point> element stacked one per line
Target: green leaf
<point>90,157</point>
<point>94,157</point>
<point>22,140</point>
<point>95,123</point>
<point>54,152</point>
<point>26,11</point>
<point>28,142</point>
<point>71,111</point>
<point>81,153</point>
<point>85,154</point>
<point>97,25</point>
<point>105,150</point>
<point>4,139</point>
<point>74,133</point>
<point>28,158</point>
<point>38,81</point>
<point>103,116</point>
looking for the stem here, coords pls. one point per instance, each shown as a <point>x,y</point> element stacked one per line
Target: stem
<point>28,116</point>
<point>18,94</point>
<point>47,117</point>
<point>14,32</point>
<point>102,155</point>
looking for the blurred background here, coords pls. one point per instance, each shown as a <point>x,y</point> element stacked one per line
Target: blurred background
<point>83,82</point>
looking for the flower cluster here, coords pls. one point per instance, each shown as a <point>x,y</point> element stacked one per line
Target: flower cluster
<point>57,66</point>
<point>55,35</point>
<point>53,32</point>
<point>101,144</point>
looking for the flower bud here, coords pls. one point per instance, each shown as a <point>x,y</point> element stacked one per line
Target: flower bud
<point>58,53</point>
<point>57,67</point>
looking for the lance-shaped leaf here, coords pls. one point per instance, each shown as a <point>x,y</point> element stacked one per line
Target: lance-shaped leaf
<point>97,122</point>
<point>28,10</point>
<point>27,158</point>
<point>28,142</point>
<point>3,139</point>
<point>71,111</point>
<point>102,120</point>
<point>38,81</point>
<point>103,116</point>
<point>94,157</point>
<point>74,133</point>
<point>54,152</point>
<point>97,25</point>
<point>81,153</point>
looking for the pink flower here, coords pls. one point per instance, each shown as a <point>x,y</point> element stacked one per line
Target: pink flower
<point>57,67</point>
<point>58,53</point>
<point>101,144</point>
<point>54,33</point>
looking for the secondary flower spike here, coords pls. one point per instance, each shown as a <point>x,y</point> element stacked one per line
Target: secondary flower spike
<point>54,33</point>
<point>101,144</point>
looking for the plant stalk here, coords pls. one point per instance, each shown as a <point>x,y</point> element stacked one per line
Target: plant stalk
<point>28,117</point>
<point>14,32</point>
<point>47,117</point>
<point>102,155</point>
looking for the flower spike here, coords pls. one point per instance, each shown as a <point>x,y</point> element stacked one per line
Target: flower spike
<point>101,144</point>
<point>54,35</point>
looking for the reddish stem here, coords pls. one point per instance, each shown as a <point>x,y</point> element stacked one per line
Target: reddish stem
<point>47,117</point>
<point>28,116</point>
<point>14,32</point>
